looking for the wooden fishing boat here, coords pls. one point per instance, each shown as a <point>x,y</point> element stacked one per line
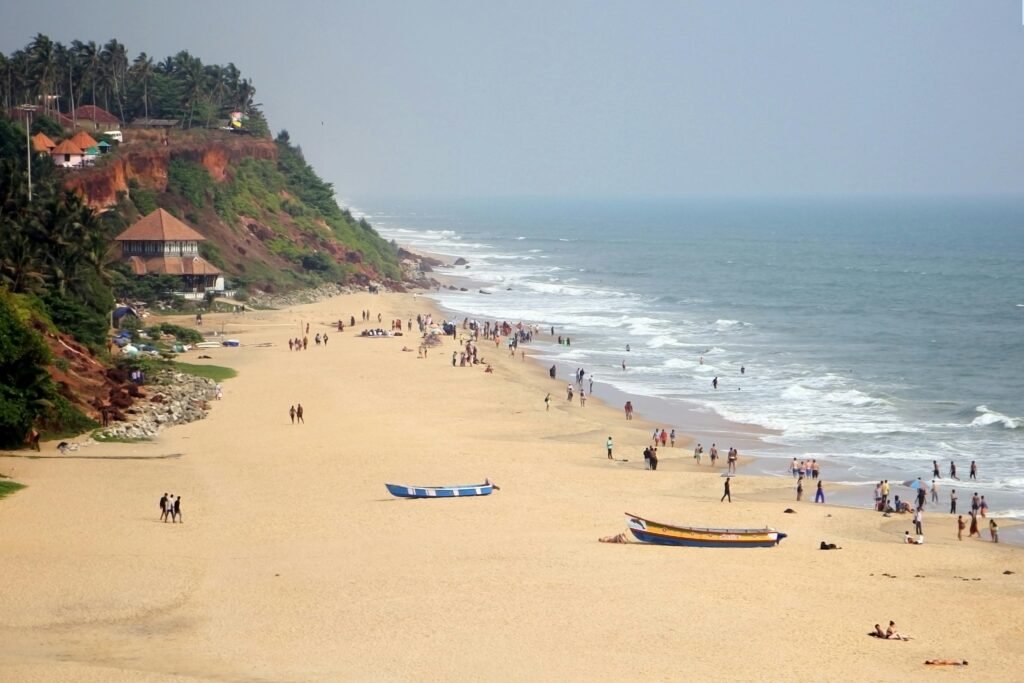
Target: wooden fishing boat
<point>646,531</point>
<point>401,491</point>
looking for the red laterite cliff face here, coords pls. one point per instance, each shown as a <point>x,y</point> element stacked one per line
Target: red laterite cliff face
<point>146,154</point>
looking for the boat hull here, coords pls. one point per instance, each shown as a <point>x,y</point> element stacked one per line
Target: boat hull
<point>656,533</point>
<point>402,491</point>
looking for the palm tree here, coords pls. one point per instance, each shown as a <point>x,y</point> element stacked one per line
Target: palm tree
<point>189,70</point>
<point>43,64</point>
<point>115,58</point>
<point>5,80</point>
<point>142,71</point>
<point>88,58</point>
<point>217,87</point>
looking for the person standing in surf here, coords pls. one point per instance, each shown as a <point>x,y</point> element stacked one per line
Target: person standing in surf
<point>974,470</point>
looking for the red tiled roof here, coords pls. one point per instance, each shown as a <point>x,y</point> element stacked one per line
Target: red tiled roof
<point>159,226</point>
<point>172,265</point>
<point>42,143</point>
<point>67,147</point>
<point>88,112</point>
<point>83,140</point>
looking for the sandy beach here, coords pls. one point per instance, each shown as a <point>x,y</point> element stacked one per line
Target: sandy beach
<point>294,564</point>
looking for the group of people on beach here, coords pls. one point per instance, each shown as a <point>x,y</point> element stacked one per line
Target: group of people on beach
<point>170,508</point>
<point>952,470</point>
<point>731,459</point>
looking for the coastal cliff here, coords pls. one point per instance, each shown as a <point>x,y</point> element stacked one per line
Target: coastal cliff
<point>144,158</point>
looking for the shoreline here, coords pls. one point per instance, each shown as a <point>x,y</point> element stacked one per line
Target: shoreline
<point>294,564</point>
<point>752,437</point>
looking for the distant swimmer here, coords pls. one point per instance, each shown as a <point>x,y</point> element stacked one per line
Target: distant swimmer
<point>623,363</point>
<point>627,348</point>
<point>743,370</point>
<point>702,360</point>
<point>714,382</point>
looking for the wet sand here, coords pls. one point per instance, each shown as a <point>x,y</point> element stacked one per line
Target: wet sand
<point>294,564</point>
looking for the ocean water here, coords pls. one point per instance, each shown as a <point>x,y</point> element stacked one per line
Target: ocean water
<point>876,335</point>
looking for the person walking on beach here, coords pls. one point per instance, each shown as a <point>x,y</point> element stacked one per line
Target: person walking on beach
<point>819,495</point>
<point>547,402</point>
<point>664,438</point>
<point>291,414</point>
<point>734,456</point>
<point>917,521</point>
<point>960,526</point>
<point>952,471</point>
<point>169,509</point>
<point>993,530</point>
<point>974,525</point>
<point>952,501</point>
<point>583,398</point>
<point>935,492</point>
<point>983,507</point>
<point>298,414</point>
<point>609,445</point>
<point>713,454</point>
<point>974,470</point>
<point>176,513</point>
<point>799,489</point>
<point>935,469</point>
<point>728,491</point>
<point>652,457</point>
<point>629,410</point>
<point>974,503</point>
<point>163,507</point>
<point>697,453</point>
<point>793,468</point>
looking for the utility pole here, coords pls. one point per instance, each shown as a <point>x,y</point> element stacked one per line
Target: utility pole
<point>28,109</point>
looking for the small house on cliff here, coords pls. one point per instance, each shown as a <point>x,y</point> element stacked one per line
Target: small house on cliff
<point>68,155</point>
<point>96,119</point>
<point>160,243</point>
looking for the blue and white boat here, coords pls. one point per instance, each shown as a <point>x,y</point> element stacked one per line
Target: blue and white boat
<point>402,491</point>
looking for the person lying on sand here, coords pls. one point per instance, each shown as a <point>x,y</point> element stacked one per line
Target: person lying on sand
<point>946,662</point>
<point>617,538</point>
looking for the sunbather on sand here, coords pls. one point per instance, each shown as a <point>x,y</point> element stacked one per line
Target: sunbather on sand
<point>892,634</point>
<point>946,662</point>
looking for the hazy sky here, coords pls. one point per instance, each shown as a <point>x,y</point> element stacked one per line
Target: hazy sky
<point>626,98</point>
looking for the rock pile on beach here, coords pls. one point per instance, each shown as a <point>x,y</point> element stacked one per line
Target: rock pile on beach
<point>172,398</point>
<point>300,296</point>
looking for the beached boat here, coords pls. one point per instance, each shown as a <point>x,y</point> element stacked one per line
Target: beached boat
<point>440,491</point>
<point>646,531</point>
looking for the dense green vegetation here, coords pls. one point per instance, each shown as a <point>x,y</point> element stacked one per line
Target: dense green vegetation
<point>53,247</point>
<point>178,87</point>
<point>28,395</point>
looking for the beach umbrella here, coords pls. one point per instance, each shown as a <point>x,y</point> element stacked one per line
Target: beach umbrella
<point>916,484</point>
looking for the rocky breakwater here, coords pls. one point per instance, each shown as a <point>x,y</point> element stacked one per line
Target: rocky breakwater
<point>168,398</point>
